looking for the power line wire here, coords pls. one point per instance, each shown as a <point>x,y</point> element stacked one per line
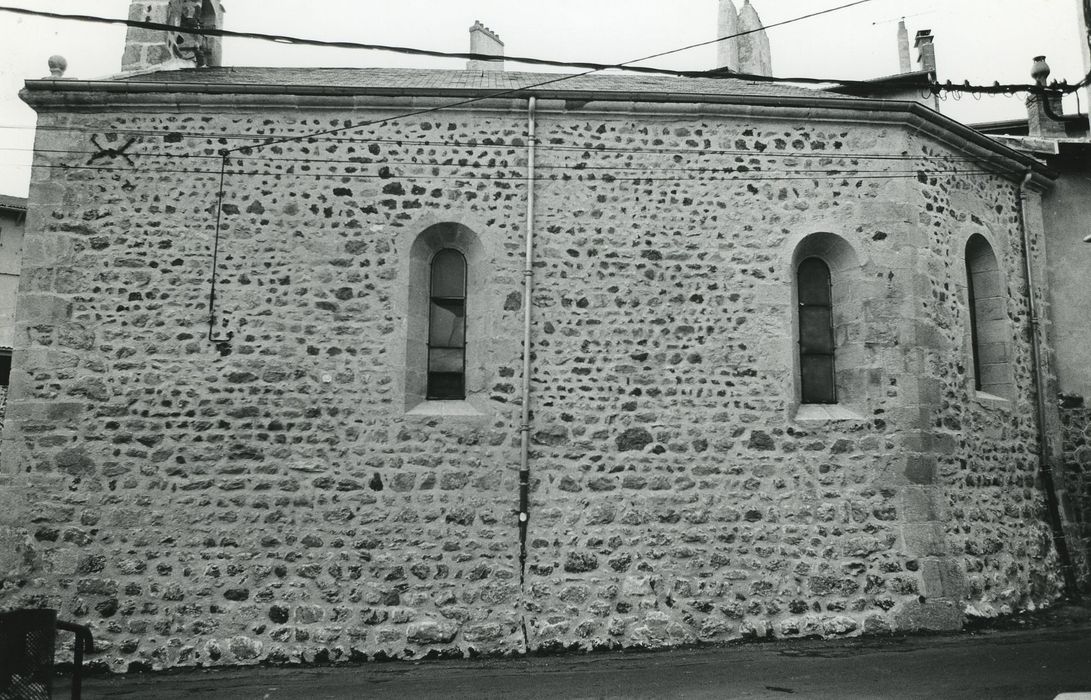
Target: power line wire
<point>743,175</point>
<point>936,87</point>
<point>488,142</point>
<point>227,153</point>
<point>514,91</point>
<point>375,160</point>
<point>408,50</point>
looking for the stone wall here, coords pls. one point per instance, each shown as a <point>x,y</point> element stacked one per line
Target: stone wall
<point>270,497</point>
<point>1076,435</point>
<point>986,468</point>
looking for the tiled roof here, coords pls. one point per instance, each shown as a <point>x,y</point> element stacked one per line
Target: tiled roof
<point>412,79</point>
<point>9,202</point>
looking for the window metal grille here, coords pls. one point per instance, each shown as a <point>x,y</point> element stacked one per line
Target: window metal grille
<point>447,326</point>
<point>816,342</point>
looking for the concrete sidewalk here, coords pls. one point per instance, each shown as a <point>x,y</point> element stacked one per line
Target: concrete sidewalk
<point>1040,663</point>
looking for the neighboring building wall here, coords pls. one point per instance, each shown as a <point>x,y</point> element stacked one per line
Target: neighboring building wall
<point>11,249</point>
<point>12,222</point>
<point>1076,422</point>
<point>272,498</point>
<point>1066,212</point>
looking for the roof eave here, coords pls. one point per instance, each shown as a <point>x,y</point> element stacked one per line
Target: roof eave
<point>51,95</point>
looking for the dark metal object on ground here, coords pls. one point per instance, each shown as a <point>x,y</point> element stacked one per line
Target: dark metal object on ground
<point>27,642</point>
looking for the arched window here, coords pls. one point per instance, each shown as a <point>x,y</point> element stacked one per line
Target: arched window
<point>450,307</point>
<point>447,326</point>
<point>817,371</point>
<point>990,334</point>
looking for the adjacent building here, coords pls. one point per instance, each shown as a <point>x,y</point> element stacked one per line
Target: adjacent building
<point>13,212</point>
<point>1061,142</point>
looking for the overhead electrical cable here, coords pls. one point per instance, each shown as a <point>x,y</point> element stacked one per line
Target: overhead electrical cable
<point>743,175</point>
<point>414,51</point>
<point>226,153</point>
<point>752,155</point>
<point>995,88</point>
<point>485,142</point>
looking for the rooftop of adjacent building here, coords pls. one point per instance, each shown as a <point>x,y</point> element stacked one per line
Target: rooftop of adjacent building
<point>1076,126</point>
<point>9,203</point>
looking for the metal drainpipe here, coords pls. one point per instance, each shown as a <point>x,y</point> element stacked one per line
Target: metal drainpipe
<point>1044,462</point>
<point>528,289</point>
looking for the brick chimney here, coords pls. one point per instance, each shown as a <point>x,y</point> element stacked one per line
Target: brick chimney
<point>926,51</point>
<point>1039,107</point>
<point>153,49</point>
<point>487,42</point>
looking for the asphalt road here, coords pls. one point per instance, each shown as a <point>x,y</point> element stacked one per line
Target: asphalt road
<point>1038,663</point>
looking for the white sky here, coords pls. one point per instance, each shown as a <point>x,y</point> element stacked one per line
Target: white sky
<point>977,40</point>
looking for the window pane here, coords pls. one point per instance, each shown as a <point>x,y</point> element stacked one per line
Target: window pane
<point>446,385</point>
<point>449,274</point>
<point>815,334</point>
<point>440,360</point>
<point>447,325</point>
<point>816,372</point>
<point>814,282</point>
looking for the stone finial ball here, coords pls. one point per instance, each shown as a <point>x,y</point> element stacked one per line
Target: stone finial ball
<point>57,66</point>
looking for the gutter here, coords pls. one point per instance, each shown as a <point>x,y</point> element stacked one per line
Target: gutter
<point>1045,462</point>
<point>528,290</point>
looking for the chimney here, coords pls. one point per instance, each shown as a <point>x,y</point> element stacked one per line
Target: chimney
<point>754,54</point>
<point>486,42</point>
<point>905,65</point>
<point>154,49</point>
<point>926,51</point>
<point>1041,109</point>
<point>727,24</point>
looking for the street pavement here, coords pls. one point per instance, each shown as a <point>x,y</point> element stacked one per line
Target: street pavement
<point>1038,662</point>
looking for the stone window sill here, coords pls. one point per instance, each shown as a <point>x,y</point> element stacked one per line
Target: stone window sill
<point>825,412</point>
<point>987,399</point>
<point>444,408</point>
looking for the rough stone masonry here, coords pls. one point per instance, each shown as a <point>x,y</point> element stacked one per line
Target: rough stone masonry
<point>274,496</point>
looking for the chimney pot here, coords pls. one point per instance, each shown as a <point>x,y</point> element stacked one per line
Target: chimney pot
<point>926,51</point>
<point>1039,70</point>
<point>1044,110</point>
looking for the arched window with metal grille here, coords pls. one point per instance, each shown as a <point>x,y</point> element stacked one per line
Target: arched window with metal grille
<point>817,367</point>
